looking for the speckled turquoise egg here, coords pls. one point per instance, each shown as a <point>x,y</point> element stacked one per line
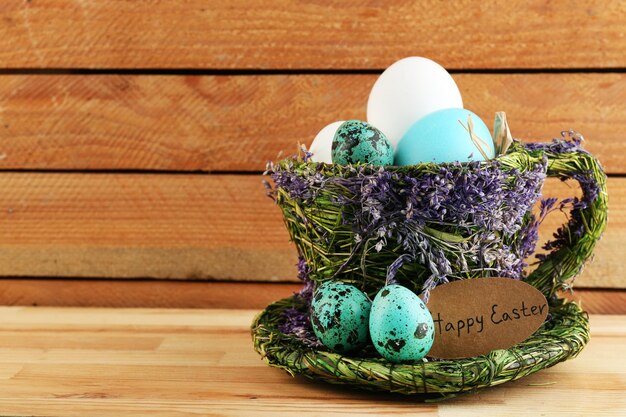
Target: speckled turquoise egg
<point>356,141</point>
<point>339,316</point>
<point>401,326</point>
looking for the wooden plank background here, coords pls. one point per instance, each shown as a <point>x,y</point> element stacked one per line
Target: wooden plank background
<point>133,135</point>
<point>238,122</point>
<point>188,227</point>
<point>325,34</point>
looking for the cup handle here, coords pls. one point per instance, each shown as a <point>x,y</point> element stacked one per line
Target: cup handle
<point>574,241</point>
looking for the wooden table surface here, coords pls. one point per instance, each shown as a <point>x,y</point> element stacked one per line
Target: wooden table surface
<point>129,362</point>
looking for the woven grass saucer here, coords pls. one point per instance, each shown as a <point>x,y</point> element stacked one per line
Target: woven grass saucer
<point>559,339</point>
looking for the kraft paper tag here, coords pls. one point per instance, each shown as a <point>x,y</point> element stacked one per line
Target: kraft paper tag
<point>475,316</point>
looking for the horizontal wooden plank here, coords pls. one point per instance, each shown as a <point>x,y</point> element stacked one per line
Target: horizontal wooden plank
<point>596,301</point>
<point>169,362</point>
<point>188,227</point>
<point>322,34</point>
<point>164,226</point>
<point>237,123</point>
<point>51,292</point>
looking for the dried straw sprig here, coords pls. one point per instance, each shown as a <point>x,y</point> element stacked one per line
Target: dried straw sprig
<point>480,144</point>
<point>502,138</point>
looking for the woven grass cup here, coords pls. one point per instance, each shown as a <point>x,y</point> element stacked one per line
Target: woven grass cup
<point>425,225</point>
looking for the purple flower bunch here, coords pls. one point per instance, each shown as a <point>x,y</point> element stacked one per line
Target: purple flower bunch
<point>419,226</point>
<point>297,321</point>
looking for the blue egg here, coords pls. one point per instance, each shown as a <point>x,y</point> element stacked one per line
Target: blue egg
<point>339,316</point>
<point>401,327</point>
<point>360,142</point>
<point>439,137</point>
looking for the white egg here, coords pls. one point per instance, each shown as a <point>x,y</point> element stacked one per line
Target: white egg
<point>321,147</point>
<point>408,90</point>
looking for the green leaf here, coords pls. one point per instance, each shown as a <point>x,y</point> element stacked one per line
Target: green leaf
<point>445,236</point>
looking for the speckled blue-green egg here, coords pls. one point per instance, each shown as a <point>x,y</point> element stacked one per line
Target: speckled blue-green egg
<point>360,142</point>
<point>401,326</point>
<point>340,315</point>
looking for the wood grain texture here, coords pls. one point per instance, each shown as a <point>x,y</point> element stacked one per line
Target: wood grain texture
<point>51,292</point>
<point>189,227</point>
<point>237,123</point>
<point>132,225</point>
<point>127,362</point>
<point>321,34</point>
<point>599,301</point>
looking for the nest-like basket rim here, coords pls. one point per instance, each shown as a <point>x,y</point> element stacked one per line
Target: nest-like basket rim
<point>559,339</point>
